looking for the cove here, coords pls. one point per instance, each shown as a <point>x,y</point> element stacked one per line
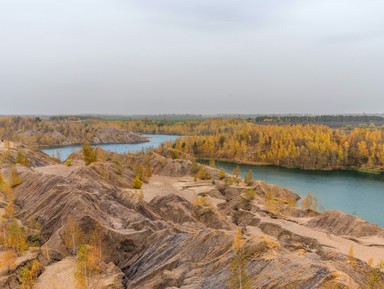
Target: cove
<point>352,192</point>
<point>155,140</point>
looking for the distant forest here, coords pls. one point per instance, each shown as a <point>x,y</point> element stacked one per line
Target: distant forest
<point>318,119</point>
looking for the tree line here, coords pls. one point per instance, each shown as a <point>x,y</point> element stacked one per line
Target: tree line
<point>298,146</point>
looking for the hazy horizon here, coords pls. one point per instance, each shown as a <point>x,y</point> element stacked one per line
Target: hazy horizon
<point>192,57</point>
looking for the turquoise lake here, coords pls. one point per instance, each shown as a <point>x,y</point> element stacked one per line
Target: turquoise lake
<point>352,192</point>
<point>355,193</point>
<point>63,152</point>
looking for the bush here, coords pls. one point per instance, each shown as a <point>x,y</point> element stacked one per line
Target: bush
<point>22,159</point>
<point>68,163</point>
<point>221,174</point>
<point>203,174</point>
<point>195,167</point>
<point>14,177</point>
<point>89,154</point>
<point>250,194</point>
<point>137,183</point>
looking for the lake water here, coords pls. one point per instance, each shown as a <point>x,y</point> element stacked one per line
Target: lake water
<point>352,192</point>
<point>62,153</point>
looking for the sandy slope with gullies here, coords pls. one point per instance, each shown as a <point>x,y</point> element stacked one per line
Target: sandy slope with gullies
<point>364,248</point>
<point>169,240</point>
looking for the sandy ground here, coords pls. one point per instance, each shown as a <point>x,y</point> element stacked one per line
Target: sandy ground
<point>184,187</point>
<point>7,144</point>
<point>58,170</point>
<point>28,255</point>
<point>363,250</point>
<point>59,275</point>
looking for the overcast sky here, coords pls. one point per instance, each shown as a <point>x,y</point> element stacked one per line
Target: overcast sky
<point>191,56</point>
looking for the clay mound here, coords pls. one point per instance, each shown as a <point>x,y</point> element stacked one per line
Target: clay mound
<point>178,210</point>
<point>99,135</point>
<point>263,189</point>
<point>33,158</point>
<point>340,223</point>
<point>113,135</point>
<point>160,165</point>
<point>173,208</point>
<point>183,260</point>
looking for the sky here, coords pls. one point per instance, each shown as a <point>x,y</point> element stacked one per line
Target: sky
<point>191,56</point>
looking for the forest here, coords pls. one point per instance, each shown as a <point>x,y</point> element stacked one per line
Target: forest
<point>298,146</point>
<point>305,146</point>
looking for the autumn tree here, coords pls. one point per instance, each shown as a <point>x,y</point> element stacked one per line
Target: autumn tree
<point>376,277</point>
<point>248,179</point>
<point>239,277</point>
<point>8,260</point>
<point>236,171</point>
<point>72,235</point>
<point>28,276</point>
<point>310,202</point>
<point>87,272</point>
<point>16,238</point>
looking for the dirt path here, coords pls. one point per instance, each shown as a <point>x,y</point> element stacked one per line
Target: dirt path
<point>59,275</point>
<point>58,170</point>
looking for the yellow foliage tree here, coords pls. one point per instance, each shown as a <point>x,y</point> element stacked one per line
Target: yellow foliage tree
<point>8,260</point>
<point>239,277</point>
<point>72,235</point>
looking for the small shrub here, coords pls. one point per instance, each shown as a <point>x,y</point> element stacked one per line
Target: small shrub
<point>14,178</point>
<point>203,174</point>
<point>250,194</point>
<point>221,174</point>
<point>22,159</point>
<point>68,162</point>
<point>89,154</point>
<point>137,183</point>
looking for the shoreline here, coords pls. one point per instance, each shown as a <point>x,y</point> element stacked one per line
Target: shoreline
<point>261,164</point>
<point>41,147</point>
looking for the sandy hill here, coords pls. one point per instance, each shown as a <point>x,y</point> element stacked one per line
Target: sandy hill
<point>180,232</point>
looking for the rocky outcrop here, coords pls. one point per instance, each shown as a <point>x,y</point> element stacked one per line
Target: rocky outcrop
<point>340,223</point>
